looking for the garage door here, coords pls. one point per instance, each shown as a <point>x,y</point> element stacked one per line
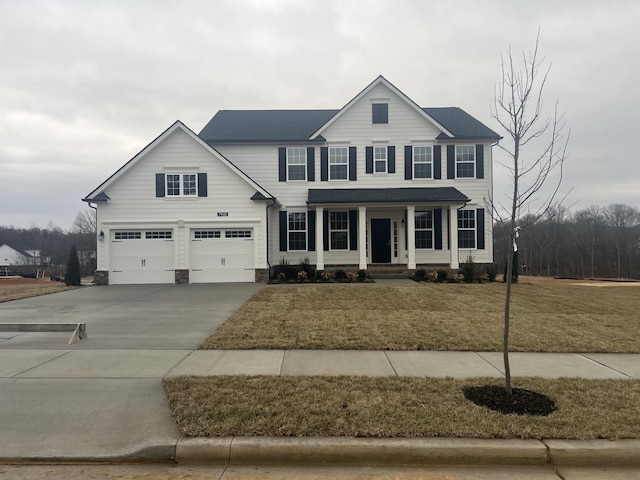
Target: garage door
<point>139,256</point>
<point>222,255</point>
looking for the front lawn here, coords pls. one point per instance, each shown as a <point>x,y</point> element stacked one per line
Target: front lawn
<point>396,407</point>
<point>545,318</point>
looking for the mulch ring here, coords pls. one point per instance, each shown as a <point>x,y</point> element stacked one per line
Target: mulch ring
<point>520,402</point>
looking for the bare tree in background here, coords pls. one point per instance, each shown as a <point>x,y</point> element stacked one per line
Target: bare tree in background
<point>518,108</point>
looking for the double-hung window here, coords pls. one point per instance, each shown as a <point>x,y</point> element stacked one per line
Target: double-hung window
<point>338,163</point>
<point>424,229</point>
<point>339,230</point>
<point>297,230</point>
<point>296,163</point>
<point>466,229</point>
<point>380,159</point>
<point>182,185</point>
<point>422,162</point>
<point>465,161</point>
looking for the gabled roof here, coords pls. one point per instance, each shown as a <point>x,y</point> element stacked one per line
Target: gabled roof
<point>99,196</point>
<point>306,126</point>
<point>385,195</point>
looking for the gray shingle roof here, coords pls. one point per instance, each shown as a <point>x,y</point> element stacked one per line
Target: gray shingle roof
<point>385,195</point>
<point>290,126</point>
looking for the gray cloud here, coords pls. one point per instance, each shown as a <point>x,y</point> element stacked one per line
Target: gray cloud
<point>86,85</point>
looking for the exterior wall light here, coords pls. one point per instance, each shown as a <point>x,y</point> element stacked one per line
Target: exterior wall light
<point>101,236</point>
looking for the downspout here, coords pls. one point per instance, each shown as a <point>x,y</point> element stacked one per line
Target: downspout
<point>273,202</point>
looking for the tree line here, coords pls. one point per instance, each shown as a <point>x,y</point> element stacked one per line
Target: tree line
<point>54,244</point>
<point>594,242</point>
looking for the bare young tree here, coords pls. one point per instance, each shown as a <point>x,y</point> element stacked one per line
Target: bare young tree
<point>518,108</point>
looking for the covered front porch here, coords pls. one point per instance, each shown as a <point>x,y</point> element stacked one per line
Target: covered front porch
<point>403,226</point>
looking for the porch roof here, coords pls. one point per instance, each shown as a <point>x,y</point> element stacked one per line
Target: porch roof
<point>386,195</point>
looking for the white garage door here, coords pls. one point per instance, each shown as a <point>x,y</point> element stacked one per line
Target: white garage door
<point>139,256</point>
<point>222,255</point>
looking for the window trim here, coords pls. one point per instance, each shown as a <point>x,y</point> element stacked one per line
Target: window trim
<point>375,159</point>
<point>181,184</point>
<point>338,230</point>
<point>345,163</point>
<point>459,162</point>
<point>471,217</point>
<point>427,229</point>
<point>415,162</point>
<point>303,164</point>
<point>299,231</point>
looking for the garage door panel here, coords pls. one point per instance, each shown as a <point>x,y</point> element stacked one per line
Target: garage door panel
<point>218,259</point>
<point>139,257</point>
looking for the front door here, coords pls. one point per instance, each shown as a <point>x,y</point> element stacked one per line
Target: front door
<point>380,240</point>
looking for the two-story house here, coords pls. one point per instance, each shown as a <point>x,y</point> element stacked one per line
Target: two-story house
<point>379,181</point>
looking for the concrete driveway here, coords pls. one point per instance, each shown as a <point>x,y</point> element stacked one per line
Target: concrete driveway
<point>138,317</point>
<point>102,397</point>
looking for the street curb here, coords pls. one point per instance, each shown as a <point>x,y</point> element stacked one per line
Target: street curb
<point>314,451</point>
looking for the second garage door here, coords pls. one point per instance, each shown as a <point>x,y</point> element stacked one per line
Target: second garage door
<point>222,255</point>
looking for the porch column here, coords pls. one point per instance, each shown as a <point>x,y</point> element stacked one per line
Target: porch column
<point>362,237</point>
<point>411,237</point>
<point>319,238</point>
<point>454,262</point>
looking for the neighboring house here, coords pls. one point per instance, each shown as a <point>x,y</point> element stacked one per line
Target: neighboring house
<point>10,257</point>
<point>380,181</point>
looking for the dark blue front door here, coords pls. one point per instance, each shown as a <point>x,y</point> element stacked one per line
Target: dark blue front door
<point>380,240</point>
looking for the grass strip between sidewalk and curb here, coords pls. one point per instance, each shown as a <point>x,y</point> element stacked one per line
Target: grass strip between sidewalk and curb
<point>396,407</point>
<point>459,317</point>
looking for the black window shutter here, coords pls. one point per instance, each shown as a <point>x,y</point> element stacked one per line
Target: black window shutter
<point>324,164</point>
<point>437,228</point>
<point>283,231</point>
<point>451,161</point>
<point>311,164</point>
<point>325,230</point>
<point>353,164</point>
<point>202,184</point>
<point>369,159</point>
<point>282,164</point>
<point>353,229</point>
<point>408,162</point>
<point>391,159</point>
<point>311,230</point>
<point>480,228</point>
<point>159,184</point>
<point>479,161</point>
<point>437,162</point>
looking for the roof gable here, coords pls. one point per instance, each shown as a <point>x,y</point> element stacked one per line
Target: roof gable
<point>99,196</point>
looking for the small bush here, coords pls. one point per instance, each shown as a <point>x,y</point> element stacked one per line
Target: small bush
<point>433,276</point>
<point>443,275</point>
<point>468,270</point>
<point>326,276</point>
<point>72,277</point>
<point>302,276</point>
<point>362,275</point>
<point>491,272</point>
<point>420,275</point>
<point>341,275</point>
<point>352,275</point>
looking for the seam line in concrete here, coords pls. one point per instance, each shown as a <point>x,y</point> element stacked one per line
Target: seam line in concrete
<point>489,363</point>
<point>171,369</point>
<point>284,354</point>
<point>17,375</point>
<point>586,356</point>
<point>390,363</point>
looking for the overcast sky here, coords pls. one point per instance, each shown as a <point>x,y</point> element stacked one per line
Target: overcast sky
<point>85,85</point>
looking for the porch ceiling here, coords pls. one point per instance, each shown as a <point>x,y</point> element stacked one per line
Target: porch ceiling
<point>385,195</point>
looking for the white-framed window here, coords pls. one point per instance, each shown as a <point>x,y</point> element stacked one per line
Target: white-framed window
<point>164,234</point>
<point>296,163</point>
<point>297,223</point>
<point>339,230</point>
<point>182,184</point>
<point>380,159</point>
<point>465,161</point>
<point>128,235</point>
<point>199,234</point>
<point>237,234</point>
<point>338,163</point>
<point>424,229</point>
<point>466,229</point>
<point>422,162</point>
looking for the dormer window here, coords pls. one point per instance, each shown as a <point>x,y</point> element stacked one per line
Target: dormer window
<point>380,113</point>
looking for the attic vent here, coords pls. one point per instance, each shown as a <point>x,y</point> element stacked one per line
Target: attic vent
<point>380,112</point>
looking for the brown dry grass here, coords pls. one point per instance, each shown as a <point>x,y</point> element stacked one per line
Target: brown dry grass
<point>11,289</point>
<point>545,318</point>
<point>396,407</point>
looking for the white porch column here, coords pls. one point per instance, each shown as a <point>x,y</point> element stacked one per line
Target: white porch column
<point>411,237</point>
<point>362,237</point>
<point>319,238</point>
<point>454,262</point>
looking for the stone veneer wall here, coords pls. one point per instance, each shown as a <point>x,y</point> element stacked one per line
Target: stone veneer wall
<point>182,277</point>
<point>262,275</point>
<point>101,277</point>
